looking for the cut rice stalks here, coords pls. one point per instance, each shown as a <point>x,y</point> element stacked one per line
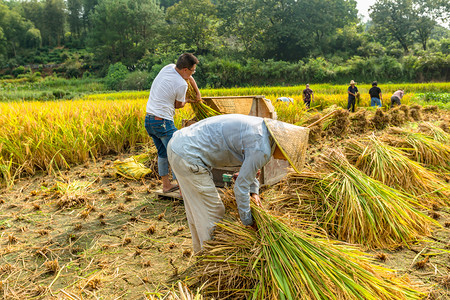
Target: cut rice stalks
<point>435,132</point>
<point>201,110</point>
<point>134,168</point>
<point>392,167</point>
<point>280,262</point>
<point>355,208</point>
<point>421,147</point>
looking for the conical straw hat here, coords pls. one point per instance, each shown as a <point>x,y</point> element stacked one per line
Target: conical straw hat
<point>292,141</point>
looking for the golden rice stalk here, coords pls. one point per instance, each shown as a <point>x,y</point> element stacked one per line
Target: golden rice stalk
<point>130,168</point>
<point>420,146</point>
<point>201,110</point>
<point>281,262</point>
<point>435,132</point>
<point>355,208</point>
<point>393,168</point>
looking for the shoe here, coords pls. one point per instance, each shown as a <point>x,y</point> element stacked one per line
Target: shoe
<point>174,188</point>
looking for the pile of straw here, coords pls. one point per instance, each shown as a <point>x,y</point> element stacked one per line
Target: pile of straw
<point>420,147</point>
<point>392,167</point>
<point>355,208</point>
<point>281,262</point>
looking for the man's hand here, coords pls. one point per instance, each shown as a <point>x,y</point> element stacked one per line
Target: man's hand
<point>255,199</point>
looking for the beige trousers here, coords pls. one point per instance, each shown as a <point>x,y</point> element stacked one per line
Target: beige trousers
<point>201,200</point>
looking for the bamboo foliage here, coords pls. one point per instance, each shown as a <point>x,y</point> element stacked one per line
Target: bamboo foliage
<point>392,167</point>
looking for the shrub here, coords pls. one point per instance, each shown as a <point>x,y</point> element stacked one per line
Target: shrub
<point>137,80</point>
<point>18,71</point>
<point>116,74</point>
<point>59,94</point>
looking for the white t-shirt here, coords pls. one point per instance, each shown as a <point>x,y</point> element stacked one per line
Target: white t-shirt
<point>167,88</point>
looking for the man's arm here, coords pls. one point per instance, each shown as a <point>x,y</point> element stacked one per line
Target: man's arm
<point>246,184</point>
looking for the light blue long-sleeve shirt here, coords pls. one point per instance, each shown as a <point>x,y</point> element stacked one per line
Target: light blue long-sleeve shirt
<point>229,141</point>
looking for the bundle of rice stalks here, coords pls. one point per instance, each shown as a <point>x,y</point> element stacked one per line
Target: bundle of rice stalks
<point>421,147</point>
<point>132,168</point>
<point>337,124</point>
<point>392,167</point>
<point>435,132</point>
<point>380,120</point>
<point>201,110</point>
<point>315,132</point>
<point>359,121</point>
<point>280,262</point>
<point>356,208</point>
<point>406,111</point>
<point>397,116</point>
<point>416,115</point>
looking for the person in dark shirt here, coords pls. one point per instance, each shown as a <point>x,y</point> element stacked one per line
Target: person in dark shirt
<point>352,90</point>
<point>375,95</point>
<point>307,94</point>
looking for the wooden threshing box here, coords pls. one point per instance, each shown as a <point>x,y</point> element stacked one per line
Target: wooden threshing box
<point>258,106</point>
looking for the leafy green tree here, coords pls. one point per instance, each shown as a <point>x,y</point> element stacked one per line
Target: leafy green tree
<point>288,29</point>
<point>242,25</point>
<point>122,30</point>
<point>395,18</point>
<point>74,16</point>
<point>54,21</point>
<point>15,30</point>
<point>193,23</point>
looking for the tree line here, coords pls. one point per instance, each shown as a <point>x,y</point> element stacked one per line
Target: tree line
<point>91,35</point>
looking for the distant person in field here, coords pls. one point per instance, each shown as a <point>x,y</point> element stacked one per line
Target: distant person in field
<point>396,97</point>
<point>375,95</point>
<point>352,90</point>
<point>167,93</point>
<point>308,96</point>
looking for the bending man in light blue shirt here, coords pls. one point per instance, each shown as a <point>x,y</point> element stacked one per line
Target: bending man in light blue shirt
<point>225,141</point>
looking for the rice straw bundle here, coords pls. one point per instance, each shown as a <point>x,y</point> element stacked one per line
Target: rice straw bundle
<point>280,262</point>
<point>134,168</point>
<point>421,147</point>
<point>392,167</point>
<point>356,208</point>
<point>201,110</point>
<point>435,132</point>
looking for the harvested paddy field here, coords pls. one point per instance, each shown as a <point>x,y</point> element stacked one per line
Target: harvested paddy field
<point>85,233</point>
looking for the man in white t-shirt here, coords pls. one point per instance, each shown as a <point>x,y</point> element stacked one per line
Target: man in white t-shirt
<point>167,93</point>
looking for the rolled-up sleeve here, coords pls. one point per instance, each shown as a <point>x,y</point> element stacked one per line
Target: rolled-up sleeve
<point>247,183</point>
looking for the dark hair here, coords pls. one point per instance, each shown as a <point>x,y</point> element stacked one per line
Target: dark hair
<point>186,60</point>
<point>374,83</point>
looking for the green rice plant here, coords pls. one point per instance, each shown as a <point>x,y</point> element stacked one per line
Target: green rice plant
<point>420,147</point>
<point>281,262</point>
<point>353,207</point>
<point>392,167</point>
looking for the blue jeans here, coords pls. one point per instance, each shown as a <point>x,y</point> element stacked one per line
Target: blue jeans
<point>375,102</point>
<point>351,104</point>
<point>161,132</point>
